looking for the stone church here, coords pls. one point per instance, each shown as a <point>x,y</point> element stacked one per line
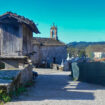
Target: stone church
<point>49,50</point>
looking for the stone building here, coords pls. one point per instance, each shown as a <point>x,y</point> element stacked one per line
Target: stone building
<point>16,34</point>
<point>49,50</point>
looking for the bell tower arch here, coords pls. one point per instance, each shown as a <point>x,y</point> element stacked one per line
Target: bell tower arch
<point>53,32</point>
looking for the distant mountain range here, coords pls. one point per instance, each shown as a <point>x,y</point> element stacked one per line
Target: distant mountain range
<point>84,44</point>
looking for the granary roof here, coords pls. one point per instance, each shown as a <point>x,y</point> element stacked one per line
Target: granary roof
<point>47,42</point>
<point>20,19</point>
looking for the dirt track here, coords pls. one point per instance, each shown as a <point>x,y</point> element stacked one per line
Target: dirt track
<point>57,88</point>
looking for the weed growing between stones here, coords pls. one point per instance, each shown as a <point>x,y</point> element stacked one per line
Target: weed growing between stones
<point>18,91</point>
<point>4,97</point>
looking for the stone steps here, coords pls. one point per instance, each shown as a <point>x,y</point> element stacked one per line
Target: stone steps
<point>13,79</point>
<point>7,77</point>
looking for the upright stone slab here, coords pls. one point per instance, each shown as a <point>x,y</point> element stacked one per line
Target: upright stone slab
<point>75,71</point>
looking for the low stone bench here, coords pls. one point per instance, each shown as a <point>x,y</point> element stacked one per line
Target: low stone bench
<point>7,77</point>
<point>12,79</point>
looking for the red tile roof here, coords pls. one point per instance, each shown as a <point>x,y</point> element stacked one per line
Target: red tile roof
<point>47,42</point>
<point>21,19</point>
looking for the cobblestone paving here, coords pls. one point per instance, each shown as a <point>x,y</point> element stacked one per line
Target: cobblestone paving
<point>57,88</point>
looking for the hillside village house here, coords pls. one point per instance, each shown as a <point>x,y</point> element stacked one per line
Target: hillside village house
<point>16,34</point>
<point>49,50</point>
<point>99,55</point>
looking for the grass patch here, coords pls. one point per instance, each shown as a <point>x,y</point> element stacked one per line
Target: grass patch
<point>21,89</point>
<point>18,91</point>
<point>75,79</point>
<point>4,97</point>
<point>7,97</point>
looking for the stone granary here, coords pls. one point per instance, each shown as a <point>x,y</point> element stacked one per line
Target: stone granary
<point>49,50</point>
<point>16,34</point>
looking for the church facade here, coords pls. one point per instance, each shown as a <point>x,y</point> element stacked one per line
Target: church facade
<point>49,50</point>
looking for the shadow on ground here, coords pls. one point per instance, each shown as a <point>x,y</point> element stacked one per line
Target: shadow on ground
<point>59,87</point>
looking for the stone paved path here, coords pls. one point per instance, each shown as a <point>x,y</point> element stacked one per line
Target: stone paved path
<point>57,88</point>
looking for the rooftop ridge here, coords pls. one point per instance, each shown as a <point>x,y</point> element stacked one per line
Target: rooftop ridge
<point>22,19</point>
<point>47,41</point>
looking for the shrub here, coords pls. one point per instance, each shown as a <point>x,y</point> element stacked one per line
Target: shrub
<point>4,97</point>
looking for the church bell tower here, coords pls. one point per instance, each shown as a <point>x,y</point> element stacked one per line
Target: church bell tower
<point>53,32</point>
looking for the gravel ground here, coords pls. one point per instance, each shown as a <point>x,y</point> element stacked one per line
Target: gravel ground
<point>57,88</point>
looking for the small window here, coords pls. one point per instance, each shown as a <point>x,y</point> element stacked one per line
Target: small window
<point>2,65</point>
<point>54,60</point>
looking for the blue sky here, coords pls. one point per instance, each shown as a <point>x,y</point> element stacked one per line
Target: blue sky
<point>77,20</point>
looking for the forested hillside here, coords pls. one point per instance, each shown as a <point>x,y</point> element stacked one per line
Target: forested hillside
<point>85,48</point>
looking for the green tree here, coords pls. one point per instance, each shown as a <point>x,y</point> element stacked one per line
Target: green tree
<point>81,53</point>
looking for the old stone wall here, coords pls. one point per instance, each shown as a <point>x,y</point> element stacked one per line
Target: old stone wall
<point>37,55</point>
<point>26,74</point>
<point>10,40</point>
<point>49,54</point>
<point>27,38</point>
<point>15,40</point>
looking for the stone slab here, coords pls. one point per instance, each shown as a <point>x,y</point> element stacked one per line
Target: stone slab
<point>6,76</point>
